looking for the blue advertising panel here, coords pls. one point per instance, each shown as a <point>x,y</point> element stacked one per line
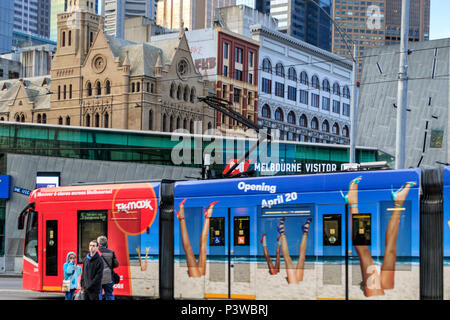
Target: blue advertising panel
<point>5,186</point>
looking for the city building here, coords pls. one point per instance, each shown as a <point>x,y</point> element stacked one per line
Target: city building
<point>304,91</point>
<point>304,20</point>
<point>32,16</point>
<point>6,25</point>
<point>116,11</point>
<point>428,105</point>
<point>375,23</point>
<point>9,69</point>
<point>230,62</point>
<point>97,80</point>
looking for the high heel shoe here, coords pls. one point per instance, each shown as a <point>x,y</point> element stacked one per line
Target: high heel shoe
<point>212,204</point>
<point>281,226</point>
<point>177,213</point>
<point>263,239</point>
<point>345,197</point>
<point>395,193</point>
<point>306,225</point>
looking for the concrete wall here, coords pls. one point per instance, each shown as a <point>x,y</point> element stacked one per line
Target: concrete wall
<point>23,168</point>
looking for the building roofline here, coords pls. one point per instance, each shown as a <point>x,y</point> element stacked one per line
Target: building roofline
<point>260,29</point>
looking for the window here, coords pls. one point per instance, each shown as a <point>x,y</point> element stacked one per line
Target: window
<point>164,125</point>
<point>225,71</point>
<point>70,38</point>
<point>88,120</point>
<point>336,106</point>
<point>250,78</point>
<point>97,120</point>
<point>345,131</point>
<point>67,121</point>
<point>266,85</point>
<point>303,96</point>
<point>336,89</point>
<point>239,54</point>
<point>326,103</point>
<point>44,118</point>
<point>346,109</point>
<point>326,85</point>
<point>279,114</point>
<point>267,66</point>
<point>304,78</point>
<point>315,123</point>
<point>70,91</point>
<point>238,74</point>
<point>150,120</point>
<point>303,121</point>
<point>265,112</point>
<point>186,93</point>
<point>64,93</point>
<point>90,225</point>
<point>59,92</point>
<point>193,95</point>
<point>292,74</point>
<point>250,58</point>
<point>346,92</point>
<point>292,93</point>
<point>315,100</point>
<point>63,39</point>
<point>325,126</point>
<point>279,70</point>
<point>98,87</point>
<point>108,87</point>
<point>335,129</point>
<point>106,120</point>
<point>236,95</point>
<point>315,82</point>
<point>172,90</point>
<point>291,117</point>
<point>279,89</point>
<point>60,120</point>
<point>31,237</point>
<point>89,89</point>
<point>225,50</point>
<point>39,118</point>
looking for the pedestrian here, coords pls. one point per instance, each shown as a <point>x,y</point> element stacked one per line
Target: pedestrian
<point>71,272</point>
<point>91,279</point>
<point>110,263</point>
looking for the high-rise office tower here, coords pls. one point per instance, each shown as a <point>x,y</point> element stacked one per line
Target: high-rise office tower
<point>6,25</point>
<point>32,16</point>
<point>376,23</point>
<point>116,11</point>
<point>304,20</point>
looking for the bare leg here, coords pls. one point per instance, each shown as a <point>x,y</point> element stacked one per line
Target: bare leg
<point>204,239</point>
<point>272,268</point>
<point>390,256</point>
<point>193,269</point>
<point>291,271</point>
<point>302,251</point>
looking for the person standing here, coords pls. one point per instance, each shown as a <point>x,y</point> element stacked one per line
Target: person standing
<point>110,262</point>
<point>71,272</point>
<point>91,279</point>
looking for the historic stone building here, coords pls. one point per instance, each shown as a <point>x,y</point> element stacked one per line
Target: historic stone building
<point>101,81</point>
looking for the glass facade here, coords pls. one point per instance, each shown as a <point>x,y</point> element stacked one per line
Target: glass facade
<point>6,25</point>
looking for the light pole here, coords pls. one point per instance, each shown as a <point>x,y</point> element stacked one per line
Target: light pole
<point>354,106</point>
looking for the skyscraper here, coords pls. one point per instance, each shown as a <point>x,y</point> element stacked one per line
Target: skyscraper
<point>32,16</point>
<point>376,23</point>
<point>304,20</point>
<point>6,24</point>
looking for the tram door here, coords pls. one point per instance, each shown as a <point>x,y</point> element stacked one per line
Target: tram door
<point>230,272</point>
<point>51,253</point>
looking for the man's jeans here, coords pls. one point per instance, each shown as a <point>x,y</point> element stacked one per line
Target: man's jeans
<point>108,291</point>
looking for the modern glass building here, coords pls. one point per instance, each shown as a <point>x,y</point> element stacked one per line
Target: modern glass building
<point>304,20</point>
<point>6,25</point>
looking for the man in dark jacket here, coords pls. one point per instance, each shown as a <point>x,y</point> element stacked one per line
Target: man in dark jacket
<point>91,279</point>
<point>110,261</point>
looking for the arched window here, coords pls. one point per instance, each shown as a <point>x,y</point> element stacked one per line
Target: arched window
<point>171,124</point>
<point>178,123</point>
<point>186,93</point>
<point>184,124</point>
<point>326,85</point>
<point>67,121</point>
<point>39,118</point>
<point>172,90</point>
<point>304,78</point>
<point>191,126</point>
<point>303,121</point>
<point>150,120</point>
<point>335,129</point>
<point>279,114</point>
<point>179,92</point>
<point>88,120</point>
<point>99,88</point>
<point>22,118</point>
<point>279,70</point>
<point>209,125</point>
<point>292,74</point>
<point>108,87</point>
<point>44,118</point>
<point>336,89</point>
<point>265,111</point>
<point>106,120</point>
<point>164,120</point>
<point>89,88</point>
<point>346,92</point>
<point>267,66</point>
<point>97,120</point>
<point>345,131</point>
<point>291,117</point>
<point>193,95</point>
<point>60,120</point>
<point>325,126</point>
<point>315,82</point>
<point>315,123</point>
<point>17,118</point>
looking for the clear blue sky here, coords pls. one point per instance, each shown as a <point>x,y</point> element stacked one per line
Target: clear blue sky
<point>439,19</point>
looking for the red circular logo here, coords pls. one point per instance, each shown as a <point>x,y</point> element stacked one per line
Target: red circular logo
<point>134,208</point>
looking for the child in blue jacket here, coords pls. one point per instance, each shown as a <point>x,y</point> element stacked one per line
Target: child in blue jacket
<point>71,272</point>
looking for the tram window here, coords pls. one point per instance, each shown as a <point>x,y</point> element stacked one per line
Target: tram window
<point>332,230</point>
<point>217,231</point>
<point>361,234</point>
<point>242,231</point>
<point>91,224</point>
<point>31,237</point>
<point>51,246</point>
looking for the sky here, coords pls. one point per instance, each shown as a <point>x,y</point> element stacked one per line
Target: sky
<point>439,19</point>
